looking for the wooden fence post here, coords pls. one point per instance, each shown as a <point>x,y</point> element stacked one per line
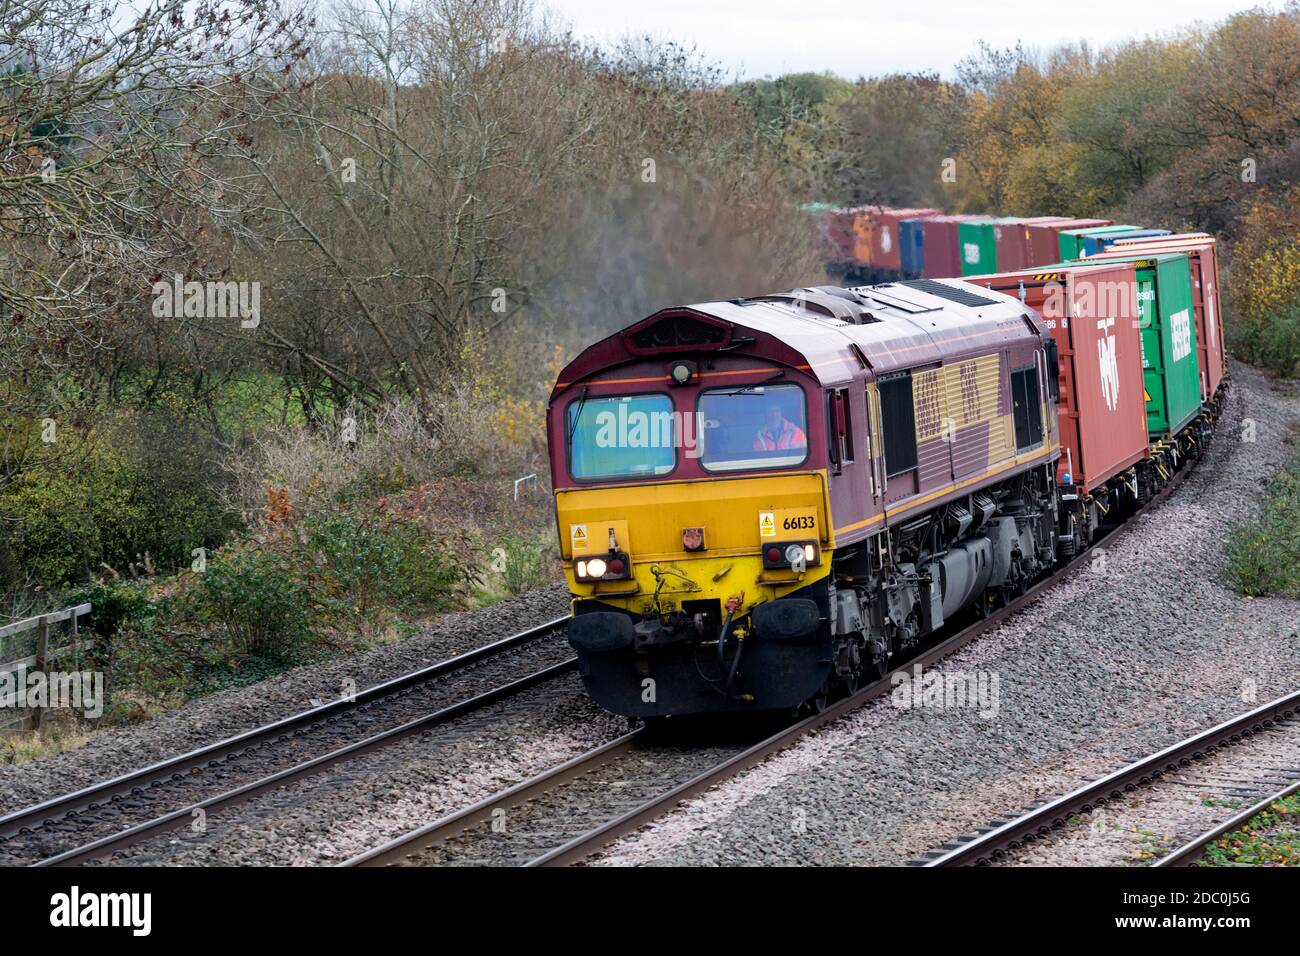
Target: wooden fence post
<point>42,657</point>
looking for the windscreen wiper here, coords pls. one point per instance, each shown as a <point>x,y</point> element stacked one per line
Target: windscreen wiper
<point>752,385</point>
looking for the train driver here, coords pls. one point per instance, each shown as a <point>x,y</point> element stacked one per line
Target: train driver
<point>779,433</point>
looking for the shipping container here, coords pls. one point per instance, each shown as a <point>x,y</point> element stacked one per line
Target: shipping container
<point>886,240</point>
<point>1010,242</point>
<point>942,250</point>
<point>977,246</point>
<point>1090,245</point>
<point>1171,370</point>
<point>1044,238</point>
<point>1070,241</point>
<point>1102,409</point>
<point>911,233</point>
<point>1202,253</point>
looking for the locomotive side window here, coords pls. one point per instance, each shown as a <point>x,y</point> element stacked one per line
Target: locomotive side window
<point>1028,407</point>
<point>621,436</point>
<point>898,423</point>
<point>763,426</point>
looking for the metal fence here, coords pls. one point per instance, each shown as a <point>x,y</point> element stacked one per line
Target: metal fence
<point>13,717</point>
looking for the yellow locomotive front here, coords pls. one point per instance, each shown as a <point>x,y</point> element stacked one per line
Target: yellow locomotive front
<point>694,523</point>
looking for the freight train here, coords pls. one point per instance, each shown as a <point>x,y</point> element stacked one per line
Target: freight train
<point>762,502</point>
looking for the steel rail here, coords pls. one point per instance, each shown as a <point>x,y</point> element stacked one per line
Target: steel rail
<point>195,761</point>
<point>177,818</point>
<point>1190,853</point>
<point>1041,820</point>
<point>482,812</point>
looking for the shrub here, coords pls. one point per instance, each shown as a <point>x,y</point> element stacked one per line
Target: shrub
<point>1264,554</point>
<point>135,485</point>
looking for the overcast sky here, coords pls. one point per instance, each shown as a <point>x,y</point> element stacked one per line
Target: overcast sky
<point>868,37</point>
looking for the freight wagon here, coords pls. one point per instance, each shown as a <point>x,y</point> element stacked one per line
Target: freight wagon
<point>1201,251</point>
<point>1091,314</point>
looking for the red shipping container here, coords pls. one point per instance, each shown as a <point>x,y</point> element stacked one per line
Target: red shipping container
<point>1202,255</point>
<point>886,242</point>
<point>942,249</point>
<point>1093,315</point>
<point>1012,247</point>
<point>1044,238</point>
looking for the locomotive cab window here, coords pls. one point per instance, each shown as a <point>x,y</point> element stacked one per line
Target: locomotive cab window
<point>898,424</point>
<point>621,436</point>
<point>1028,407</point>
<point>756,426</point>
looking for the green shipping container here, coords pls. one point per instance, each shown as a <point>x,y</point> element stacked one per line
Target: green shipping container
<point>977,247</point>
<point>1069,239</point>
<point>1170,371</point>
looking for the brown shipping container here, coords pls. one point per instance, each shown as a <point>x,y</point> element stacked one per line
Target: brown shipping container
<point>885,240</point>
<point>1103,417</point>
<point>1044,238</point>
<point>1202,255</point>
<point>1012,249</point>
<point>942,250</point>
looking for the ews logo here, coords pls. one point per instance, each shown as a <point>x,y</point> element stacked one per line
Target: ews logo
<point>1108,362</point>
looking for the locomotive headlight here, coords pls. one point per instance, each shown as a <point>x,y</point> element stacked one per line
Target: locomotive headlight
<point>681,372</point>
<point>810,553</point>
<point>596,568</point>
<point>794,554</point>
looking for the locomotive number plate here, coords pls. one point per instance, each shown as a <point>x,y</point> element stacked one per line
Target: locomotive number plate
<point>787,523</point>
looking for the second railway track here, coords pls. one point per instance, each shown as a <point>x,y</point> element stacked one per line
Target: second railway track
<point>108,816</point>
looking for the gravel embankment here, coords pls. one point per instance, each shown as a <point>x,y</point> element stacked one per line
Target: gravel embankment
<point>217,716</point>
<point>1144,650</point>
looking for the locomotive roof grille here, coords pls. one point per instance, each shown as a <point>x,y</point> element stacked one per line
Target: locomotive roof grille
<point>960,296</point>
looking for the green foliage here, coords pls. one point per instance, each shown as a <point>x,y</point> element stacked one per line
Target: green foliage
<point>137,484</point>
<point>115,603</point>
<point>526,562</point>
<point>1271,838</point>
<point>258,596</point>
<point>1264,555</point>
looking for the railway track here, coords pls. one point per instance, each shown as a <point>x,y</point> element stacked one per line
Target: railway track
<point>1001,838</point>
<point>1191,852</point>
<point>530,824</point>
<point>109,816</point>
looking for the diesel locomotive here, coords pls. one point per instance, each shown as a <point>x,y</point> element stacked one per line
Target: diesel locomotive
<point>761,501</point>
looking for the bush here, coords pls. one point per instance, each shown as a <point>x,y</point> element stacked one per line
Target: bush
<point>136,485</point>
<point>1264,285</point>
<point>1264,555</point>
